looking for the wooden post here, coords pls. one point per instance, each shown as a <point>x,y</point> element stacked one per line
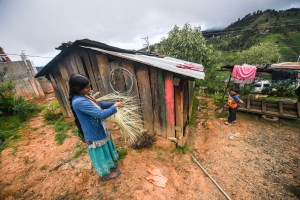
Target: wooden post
<point>248,103</point>
<point>155,100</point>
<point>178,90</point>
<point>143,81</point>
<point>191,87</point>
<point>162,102</point>
<point>280,107</point>
<point>264,107</point>
<point>170,114</point>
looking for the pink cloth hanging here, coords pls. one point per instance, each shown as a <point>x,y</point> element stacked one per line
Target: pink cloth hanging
<point>243,73</point>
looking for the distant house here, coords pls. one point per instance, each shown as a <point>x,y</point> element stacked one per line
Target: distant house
<point>3,56</point>
<point>22,73</point>
<point>163,85</point>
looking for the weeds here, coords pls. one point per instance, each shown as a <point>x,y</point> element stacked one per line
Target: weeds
<point>53,113</point>
<point>122,153</point>
<point>183,150</point>
<point>43,168</point>
<point>61,127</point>
<point>81,149</point>
<point>192,119</point>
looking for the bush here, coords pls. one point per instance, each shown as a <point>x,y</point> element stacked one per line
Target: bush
<point>281,90</point>
<point>23,108</point>
<point>53,112</point>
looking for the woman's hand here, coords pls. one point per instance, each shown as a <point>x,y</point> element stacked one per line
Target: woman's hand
<point>119,105</point>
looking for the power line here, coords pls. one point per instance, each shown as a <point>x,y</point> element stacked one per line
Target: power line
<point>15,54</point>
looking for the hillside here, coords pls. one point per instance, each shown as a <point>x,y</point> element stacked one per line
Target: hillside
<point>281,27</point>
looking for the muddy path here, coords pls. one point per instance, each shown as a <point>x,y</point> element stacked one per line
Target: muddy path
<point>256,164</point>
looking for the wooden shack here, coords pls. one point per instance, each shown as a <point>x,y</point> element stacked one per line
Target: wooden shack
<point>163,85</point>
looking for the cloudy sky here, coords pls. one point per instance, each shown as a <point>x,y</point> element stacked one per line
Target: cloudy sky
<point>38,26</point>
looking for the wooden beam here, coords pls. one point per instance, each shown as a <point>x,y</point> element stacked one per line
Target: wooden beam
<point>178,90</point>
<point>155,99</point>
<point>162,102</point>
<point>170,113</point>
<point>143,81</point>
<point>191,88</point>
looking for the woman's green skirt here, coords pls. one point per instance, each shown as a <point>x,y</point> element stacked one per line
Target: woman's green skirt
<point>103,157</point>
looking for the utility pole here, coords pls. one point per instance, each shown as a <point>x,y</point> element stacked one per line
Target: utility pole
<point>298,59</point>
<point>146,39</point>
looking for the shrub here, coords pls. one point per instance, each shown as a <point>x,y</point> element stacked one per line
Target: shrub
<point>53,112</point>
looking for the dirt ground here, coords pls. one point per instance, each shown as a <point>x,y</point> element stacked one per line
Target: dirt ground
<point>252,159</point>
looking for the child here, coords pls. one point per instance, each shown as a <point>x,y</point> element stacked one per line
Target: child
<point>232,102</point>
<point>89,118</point>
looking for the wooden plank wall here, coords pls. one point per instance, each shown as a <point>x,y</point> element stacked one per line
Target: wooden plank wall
<point>162,105</point>
<point>22,75</point>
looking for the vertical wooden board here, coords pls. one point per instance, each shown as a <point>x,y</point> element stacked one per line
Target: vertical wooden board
<point>169,99</point>
<point>70,59</point>
<point>68,67</point>
<point>117,78</point>
<point>155,99</point>
<point>104,72</point>
<point>128,65</point>
<point>87,63</point>
<point>145,95</point>
<point>185,112</point>
<point>61,85</point>
<point>58,95</point>
<point>178,91</point>
<point>162,102</point>
<point>97,71</point>
<point>77,59</point>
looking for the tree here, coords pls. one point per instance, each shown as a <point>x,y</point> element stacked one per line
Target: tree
<point>189,44</point>
<point>263,53</point>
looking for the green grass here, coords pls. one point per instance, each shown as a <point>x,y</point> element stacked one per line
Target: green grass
<point>80,150</point>
<point>61,127</point>
<point>9,129</point>
<point>53,113</point>
<point>183,150</point>
<point>122,153</point>
<point>43,168</point>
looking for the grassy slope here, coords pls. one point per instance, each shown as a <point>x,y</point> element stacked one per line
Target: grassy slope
<point>282,28</point>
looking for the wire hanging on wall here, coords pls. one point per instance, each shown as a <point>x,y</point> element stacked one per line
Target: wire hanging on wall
<point>124,72</point>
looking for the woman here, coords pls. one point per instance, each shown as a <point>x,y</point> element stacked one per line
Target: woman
<point>89,116</point>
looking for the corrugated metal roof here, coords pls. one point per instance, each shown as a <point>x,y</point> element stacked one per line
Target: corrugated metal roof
<point>165,63</point>
<point>287,65</point>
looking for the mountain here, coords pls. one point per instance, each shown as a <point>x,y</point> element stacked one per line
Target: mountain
<point>281,27</point>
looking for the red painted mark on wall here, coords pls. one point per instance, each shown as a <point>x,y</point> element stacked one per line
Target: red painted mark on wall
<point>169,101</point>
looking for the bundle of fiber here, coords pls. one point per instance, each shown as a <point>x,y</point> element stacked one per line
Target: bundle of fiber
<point>128,118</point>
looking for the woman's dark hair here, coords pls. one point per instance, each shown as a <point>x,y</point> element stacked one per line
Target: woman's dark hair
<point>76,83</point>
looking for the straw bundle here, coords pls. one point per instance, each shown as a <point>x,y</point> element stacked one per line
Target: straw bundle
<point>129,117</point>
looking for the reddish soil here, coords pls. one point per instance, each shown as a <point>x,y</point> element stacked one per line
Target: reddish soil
<point>257,164</point>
